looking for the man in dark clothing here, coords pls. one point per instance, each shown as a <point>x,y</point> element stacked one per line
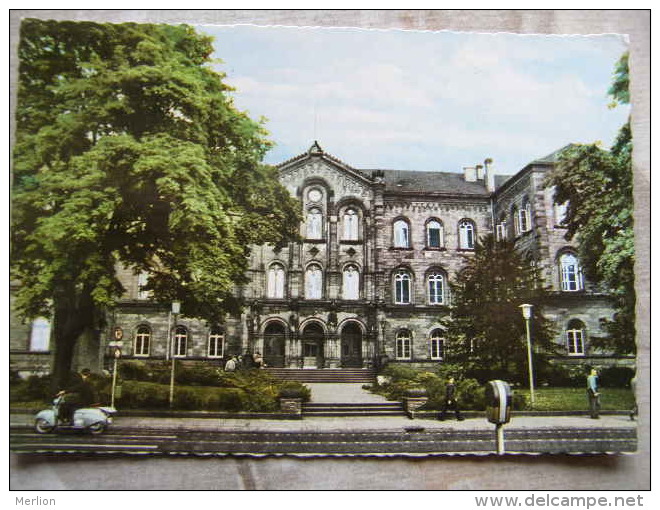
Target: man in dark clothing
<point>79,394</point>
<point>450,400</point>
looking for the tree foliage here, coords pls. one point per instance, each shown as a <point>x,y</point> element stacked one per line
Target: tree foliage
<point>129,151</point>
<point>597,186</point>
<point>486,328</point>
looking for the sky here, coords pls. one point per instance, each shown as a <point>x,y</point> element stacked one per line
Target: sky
<point>420,100</point>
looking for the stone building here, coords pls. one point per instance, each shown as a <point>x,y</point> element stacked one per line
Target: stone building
<point>370,278</point>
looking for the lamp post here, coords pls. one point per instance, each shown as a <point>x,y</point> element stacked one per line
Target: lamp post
<point>176,308</point>
<point>527,315</point>
<point>115,346</point>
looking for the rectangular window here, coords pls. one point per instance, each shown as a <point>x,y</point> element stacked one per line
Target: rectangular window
<point>575,343</point>
<point>142,281</point>
<point>216,345</point>
<point>437,348</point>
<point>403,350</point>
<point>524,220</point>
<point>402,292</point>
<point>500,231</point>
<point>40,335</point>
<point>434,238</point>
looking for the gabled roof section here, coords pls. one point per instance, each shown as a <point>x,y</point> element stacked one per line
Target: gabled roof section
<point>315,151</point>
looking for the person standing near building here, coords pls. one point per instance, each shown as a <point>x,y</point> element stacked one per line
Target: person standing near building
<point>593,394</point>
<point>450,401</point>
<point>230,366</point>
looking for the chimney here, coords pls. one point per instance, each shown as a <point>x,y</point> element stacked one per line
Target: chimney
<point>470,173</point>
<point>489,175</point>
<point>480,172</point>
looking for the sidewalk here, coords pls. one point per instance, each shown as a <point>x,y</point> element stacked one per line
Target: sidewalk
<point>346,424</point>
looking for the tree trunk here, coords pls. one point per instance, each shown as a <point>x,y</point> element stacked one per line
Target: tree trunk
<point>73,314</point>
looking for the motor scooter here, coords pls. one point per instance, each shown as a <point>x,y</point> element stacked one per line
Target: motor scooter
<point>88,419</point>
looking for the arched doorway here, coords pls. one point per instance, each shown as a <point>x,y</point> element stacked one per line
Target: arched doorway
<point>351,345</point>
<point>313,338</point>
<point>274,341</point>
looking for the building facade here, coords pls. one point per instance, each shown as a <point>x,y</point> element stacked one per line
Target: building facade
<point>370,279</point>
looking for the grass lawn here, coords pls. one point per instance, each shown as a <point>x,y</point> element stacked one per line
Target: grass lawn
<point>575,399</point>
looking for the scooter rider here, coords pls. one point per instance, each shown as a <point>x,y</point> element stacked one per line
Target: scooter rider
<point>80,394</point>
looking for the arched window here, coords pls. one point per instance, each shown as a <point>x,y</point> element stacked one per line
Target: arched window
<point>142,341</point>
<point>575,338</point>
<point>314,224</point>
<point>313,282</point>
<point>180,342</point>
<point>403,345</point>
<point>401,234</point>
<point>525,217</point>
<point>570,273</point>
<point>216,343</point>
<point>402,287</point>
<point>275,284</point>
<point>466,235</point>
<point>434,234</point>
<point>437,345</point>
<point>351,283</point>
<point>351,222</point>
<point>436,286</point>
<point>40,334</point>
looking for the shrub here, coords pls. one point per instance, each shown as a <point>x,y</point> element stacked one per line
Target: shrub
<point>561,376</point>
<point>197,375</point>
<point>294,389</point>
<point>34,388</point>
<point>616,377</point>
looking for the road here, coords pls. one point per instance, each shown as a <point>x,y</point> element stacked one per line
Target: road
<point>415,441</point>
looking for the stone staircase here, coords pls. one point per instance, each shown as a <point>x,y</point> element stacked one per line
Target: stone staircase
<point>353,409</point>
<point>326,375</point>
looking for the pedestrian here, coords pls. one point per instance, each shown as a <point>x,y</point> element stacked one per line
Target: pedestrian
<point>450,401</point>
<point>258,360</point>
<point>593,394</point>
<point>230,366</point>
<point>633,387</point>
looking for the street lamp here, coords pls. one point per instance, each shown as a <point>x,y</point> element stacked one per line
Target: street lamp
<point>176,308</point>
<point>527,315</point>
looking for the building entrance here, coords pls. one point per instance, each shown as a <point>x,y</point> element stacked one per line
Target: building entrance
<point>351,345</point>
<point>274,341</point>
<point>313,338</point>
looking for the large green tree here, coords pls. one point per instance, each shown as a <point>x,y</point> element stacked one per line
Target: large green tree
<point>597,186</point>
<point>485,329</point>
<point>129,151</point>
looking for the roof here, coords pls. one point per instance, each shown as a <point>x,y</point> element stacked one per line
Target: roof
<point>552,157</point>
<point>415,181</point>
<point>442,182</point>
